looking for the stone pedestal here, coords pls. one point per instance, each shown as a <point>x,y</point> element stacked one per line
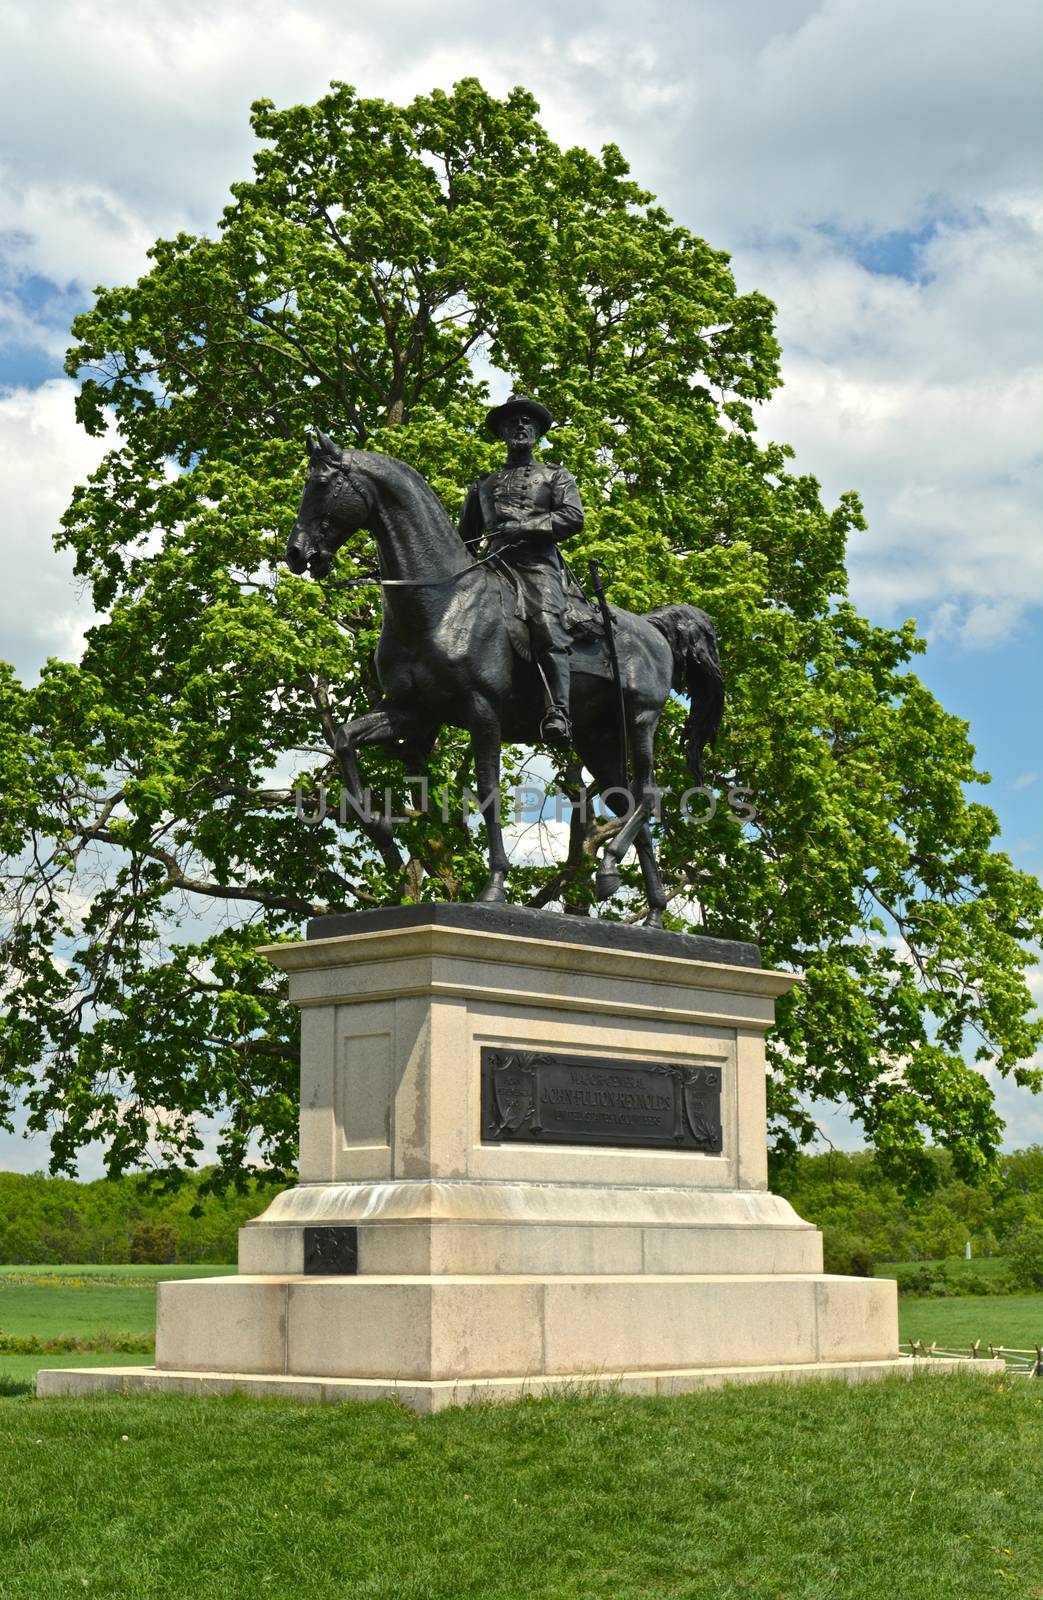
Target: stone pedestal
<point>438,1248</point>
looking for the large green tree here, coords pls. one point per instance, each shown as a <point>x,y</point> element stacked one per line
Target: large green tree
<point>378,262</point>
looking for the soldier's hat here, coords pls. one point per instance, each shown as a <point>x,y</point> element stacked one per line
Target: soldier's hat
<point>515,403</point>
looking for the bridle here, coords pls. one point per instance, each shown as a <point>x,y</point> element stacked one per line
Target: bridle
<point>361,491</point>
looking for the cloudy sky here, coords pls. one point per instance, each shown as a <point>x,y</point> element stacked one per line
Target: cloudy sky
<point>872,167</point>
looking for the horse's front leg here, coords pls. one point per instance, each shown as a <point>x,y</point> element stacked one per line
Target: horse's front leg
<point>376,727</point>
<point>607,881</point>
<point>486,743</point>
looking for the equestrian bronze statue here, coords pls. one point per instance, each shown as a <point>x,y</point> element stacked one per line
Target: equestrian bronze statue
<point>499,643</point>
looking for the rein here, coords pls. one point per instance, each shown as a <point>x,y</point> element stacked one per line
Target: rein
<point>413,583</point>
<point>399,583</point>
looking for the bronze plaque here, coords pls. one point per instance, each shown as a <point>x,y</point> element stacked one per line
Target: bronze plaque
<point>331,1252</point>
<point>536,1097</point>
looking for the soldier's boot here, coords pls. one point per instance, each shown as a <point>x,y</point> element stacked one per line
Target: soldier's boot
<point>556,729</point>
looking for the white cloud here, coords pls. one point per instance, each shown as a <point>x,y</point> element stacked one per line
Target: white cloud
<point>43,454</point>
<point>81,233</point>
<point>536,844</point>
<point>755,116</point>
<point>925,395</point>
<point>1021,1110</point>
<point>131,122</point>
<point>868,116</point>
<point>20,327</point>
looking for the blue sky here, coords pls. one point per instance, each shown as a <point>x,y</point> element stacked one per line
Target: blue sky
<point>872,168</point>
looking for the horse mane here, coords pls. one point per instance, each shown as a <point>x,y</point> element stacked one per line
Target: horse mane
<point>390,470</point>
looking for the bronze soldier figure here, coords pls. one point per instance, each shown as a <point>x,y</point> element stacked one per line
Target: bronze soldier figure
<point>526,508</point>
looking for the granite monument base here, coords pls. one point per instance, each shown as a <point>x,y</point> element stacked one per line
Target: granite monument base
<point>532,1156</point>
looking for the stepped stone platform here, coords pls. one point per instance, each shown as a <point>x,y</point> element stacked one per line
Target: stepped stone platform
<point>532,1157</point>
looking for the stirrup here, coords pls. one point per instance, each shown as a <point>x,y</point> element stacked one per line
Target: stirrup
<point>555,729</point>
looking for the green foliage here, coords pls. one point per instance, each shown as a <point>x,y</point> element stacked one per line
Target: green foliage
<point>925,1488</point>
<point>1025,1253</point>
<point>62,1344</point>
<point>153,1241</point>
<point>847,1254</point>
<point>151,839</point>
<point>862,1209</point>
<point>936,1280</point>
<point>130,1219</point>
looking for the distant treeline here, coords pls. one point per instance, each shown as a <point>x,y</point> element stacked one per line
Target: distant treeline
<point>57,1220</point>
<point>863,1217</point>
<point>865,1220</point>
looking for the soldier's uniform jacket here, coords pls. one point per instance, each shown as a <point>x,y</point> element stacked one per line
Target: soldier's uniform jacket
<point>526,511</point>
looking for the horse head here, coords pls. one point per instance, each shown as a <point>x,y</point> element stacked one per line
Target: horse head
<point>332,506</point>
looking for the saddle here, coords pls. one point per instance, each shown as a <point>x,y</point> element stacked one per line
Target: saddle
<point>588,651</point>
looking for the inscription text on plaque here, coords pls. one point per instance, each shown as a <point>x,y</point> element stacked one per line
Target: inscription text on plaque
<point>539,1097</point>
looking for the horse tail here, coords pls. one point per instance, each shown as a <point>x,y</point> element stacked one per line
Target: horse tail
<point>697,673</point>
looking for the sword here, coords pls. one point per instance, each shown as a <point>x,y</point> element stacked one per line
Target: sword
<point>610,640</point>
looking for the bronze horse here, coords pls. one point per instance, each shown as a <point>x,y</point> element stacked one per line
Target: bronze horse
<point>445,657</point>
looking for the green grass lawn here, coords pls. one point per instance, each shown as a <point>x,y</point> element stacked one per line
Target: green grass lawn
<point>75,1300</point>
<point>91,1304</point>
<point>22,1369</point>
<point>26,1309</point>
<point>121,1274</point>
<point>1015,1320</point>
<point>922,1488</point>
<point>956,1267</point>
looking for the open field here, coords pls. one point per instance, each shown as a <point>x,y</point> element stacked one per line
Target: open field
<point>120,1273</point>
<point>28,1309</point>
<point>22,1369</point>
<point>49,1302</point>
<point>88,1303</point>
<point>1015,1320</point>
<point>924,1487</point>
<point>955,1267</point>
<point>102,1307</point>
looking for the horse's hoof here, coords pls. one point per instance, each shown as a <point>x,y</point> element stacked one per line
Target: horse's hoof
<point>606,883</point>
<point>654,918</point>
<point>494,894</point>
